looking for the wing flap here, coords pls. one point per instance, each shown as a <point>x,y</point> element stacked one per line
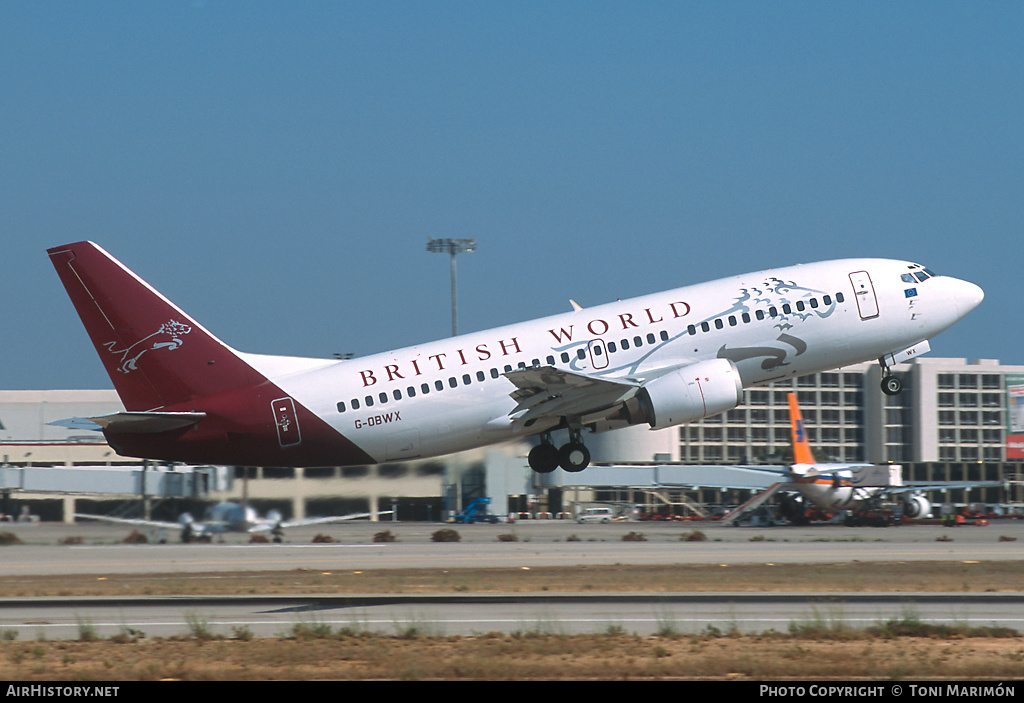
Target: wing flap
<point>544,391</point>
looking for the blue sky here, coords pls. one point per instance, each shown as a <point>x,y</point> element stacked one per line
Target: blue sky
<point>276,168</point>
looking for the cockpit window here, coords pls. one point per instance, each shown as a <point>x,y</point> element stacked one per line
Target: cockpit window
<point>919,275</point>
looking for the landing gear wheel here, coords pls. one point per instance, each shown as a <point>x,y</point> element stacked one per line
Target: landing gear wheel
<point>891,385</point>
<point>543,458</point>
<point>574,457</point>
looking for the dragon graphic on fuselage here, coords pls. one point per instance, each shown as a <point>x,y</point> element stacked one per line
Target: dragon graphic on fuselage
<point>784,302</point>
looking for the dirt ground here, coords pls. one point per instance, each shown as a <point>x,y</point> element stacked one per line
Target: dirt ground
<point>822,655</point>
<point>506,657</point>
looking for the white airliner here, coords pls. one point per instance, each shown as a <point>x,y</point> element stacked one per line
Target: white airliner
<point>662,360</point>
<point>228,516</point>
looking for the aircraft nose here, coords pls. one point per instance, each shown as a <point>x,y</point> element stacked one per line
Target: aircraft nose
<point>968,296</point>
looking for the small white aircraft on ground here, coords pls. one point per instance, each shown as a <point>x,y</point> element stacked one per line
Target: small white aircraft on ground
<point>228,516</point>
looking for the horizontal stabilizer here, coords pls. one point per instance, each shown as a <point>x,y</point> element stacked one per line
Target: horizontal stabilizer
<point>146,422</point>
<point>77,423</point>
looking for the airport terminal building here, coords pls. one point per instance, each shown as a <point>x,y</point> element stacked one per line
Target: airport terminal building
<point>954,421</point>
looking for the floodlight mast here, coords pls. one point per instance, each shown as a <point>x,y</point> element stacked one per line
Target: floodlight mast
<point>452,247</point>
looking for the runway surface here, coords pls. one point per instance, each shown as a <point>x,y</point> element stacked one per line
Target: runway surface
<point>539,544</point>
<point>452,614</point>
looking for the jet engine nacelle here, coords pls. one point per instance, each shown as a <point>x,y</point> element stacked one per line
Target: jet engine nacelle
<point>690,393</point>
<point>917,507</point>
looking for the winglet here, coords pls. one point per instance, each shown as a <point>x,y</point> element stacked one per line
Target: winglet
<point>801,448</point>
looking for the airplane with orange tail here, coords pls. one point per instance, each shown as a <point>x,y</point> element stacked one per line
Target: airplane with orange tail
<point>853,487</point>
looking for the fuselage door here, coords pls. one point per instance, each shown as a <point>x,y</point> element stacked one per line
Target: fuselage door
<point>287,422</point>
<point>598,354</point>
<point>864,292</point>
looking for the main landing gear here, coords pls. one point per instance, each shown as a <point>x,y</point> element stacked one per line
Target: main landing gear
<point>572,456</point>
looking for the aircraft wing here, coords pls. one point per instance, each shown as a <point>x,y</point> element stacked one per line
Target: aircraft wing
<point>137,522</point>
<point>544,391</point>
<point>914,486</point>
<point>267,525</point>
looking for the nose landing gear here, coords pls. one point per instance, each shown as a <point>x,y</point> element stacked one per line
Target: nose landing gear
<point>891,385</point>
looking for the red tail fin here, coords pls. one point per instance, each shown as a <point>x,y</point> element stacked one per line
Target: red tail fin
<point>155,354</point>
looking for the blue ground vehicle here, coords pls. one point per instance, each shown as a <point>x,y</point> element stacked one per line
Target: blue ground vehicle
<point>476,512</point>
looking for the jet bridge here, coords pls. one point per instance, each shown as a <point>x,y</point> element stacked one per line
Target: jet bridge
<point>138,481</point>
<point>155,482</point>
